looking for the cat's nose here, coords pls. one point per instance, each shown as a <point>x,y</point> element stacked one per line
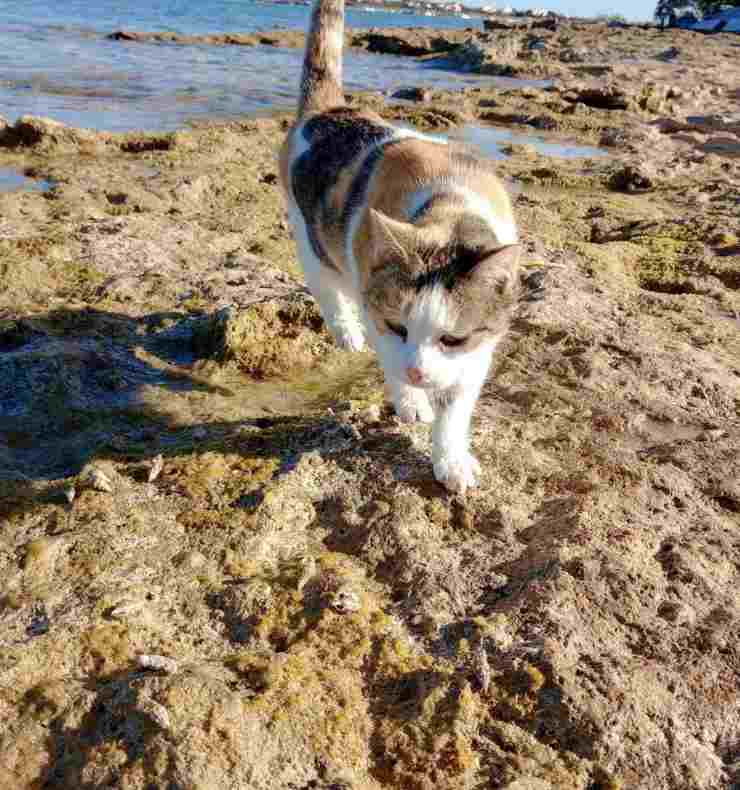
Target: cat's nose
<point>415,376</point>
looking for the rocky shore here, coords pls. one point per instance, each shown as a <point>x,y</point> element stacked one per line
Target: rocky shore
<point>225,564</point>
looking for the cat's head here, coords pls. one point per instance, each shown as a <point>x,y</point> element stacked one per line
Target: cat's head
<point>440,295</point>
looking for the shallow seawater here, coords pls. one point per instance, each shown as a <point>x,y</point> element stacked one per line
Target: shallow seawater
<point>56,61</point>
<point>66,400</point>
<point>12,180</point>
<point>491,141</point>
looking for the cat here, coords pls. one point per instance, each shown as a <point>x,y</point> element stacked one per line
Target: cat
<point>407,242</point>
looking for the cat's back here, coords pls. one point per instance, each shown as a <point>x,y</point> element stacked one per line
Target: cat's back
<point>325,164</point>
<point>322,147</point>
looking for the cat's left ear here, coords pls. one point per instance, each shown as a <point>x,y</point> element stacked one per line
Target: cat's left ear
<point>390,238</point>
<point>497,271</point>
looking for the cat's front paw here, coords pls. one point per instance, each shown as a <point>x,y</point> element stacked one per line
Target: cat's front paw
<point>349,337</point>
<point>413,406</point>
<point>457,473</point>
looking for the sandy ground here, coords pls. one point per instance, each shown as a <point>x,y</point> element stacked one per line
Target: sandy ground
<point>190,470</point>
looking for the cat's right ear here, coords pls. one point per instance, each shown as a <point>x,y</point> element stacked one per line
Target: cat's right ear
<point>390,239</point>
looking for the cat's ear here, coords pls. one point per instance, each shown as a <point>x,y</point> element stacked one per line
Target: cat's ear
<point>497,271</point>
<point>390,239</point>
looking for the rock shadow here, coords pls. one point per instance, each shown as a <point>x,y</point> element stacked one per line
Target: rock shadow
<point>116,719</point>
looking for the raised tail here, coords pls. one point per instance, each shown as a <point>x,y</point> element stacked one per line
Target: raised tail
<point>321,82</point>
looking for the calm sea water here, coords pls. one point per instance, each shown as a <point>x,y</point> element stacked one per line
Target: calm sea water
<point>55,61</point>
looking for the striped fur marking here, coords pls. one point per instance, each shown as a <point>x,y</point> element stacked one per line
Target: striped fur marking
<point>335,140</point>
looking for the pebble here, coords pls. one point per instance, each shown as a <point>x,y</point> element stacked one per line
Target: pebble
<point>156,468</point>
<point>161,663</point>
<point>371,414</point>
<point>351,431</point>
<point>127,607</point>
<point>482,668</point>
<point>308,571</point>
<point>70,492</point>
<point>98,480</point>
<point>190,559</point>
<point>345,600</point>
<point>155,711</point>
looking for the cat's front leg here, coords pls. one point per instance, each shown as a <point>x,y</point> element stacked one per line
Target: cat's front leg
<point>411,403</point>
<point>454,466</point>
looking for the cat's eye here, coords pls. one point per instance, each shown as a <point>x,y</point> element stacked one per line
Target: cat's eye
<point>397,329</point>
<point>450,341</point>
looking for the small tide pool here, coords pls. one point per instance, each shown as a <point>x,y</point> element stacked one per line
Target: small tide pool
<point>14,180</point>
<point>492,142</point>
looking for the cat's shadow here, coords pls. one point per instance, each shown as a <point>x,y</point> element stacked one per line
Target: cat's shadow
<point>70,394</point>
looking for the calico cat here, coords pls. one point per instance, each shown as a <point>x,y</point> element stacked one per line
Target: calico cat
<point>406,242</point>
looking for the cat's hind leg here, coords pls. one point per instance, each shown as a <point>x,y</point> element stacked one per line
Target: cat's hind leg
<point>338,309</point>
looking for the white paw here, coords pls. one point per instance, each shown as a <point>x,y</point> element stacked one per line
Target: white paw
<point>414,406</point>
<point>457,473</point>
<point>350,337</point>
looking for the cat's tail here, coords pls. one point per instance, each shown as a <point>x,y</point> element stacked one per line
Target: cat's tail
<point>321,82</point>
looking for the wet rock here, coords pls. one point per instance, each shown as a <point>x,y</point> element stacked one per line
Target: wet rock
<point>548,23</point>
<point>431,117</point>
<point>506,24</point>
<point>268,338</point>
<point>412,94</point>
<point>603,97</point>
<point>138,144</point>
<point>486,58</point>
<point>544,122</point>
<point>669,54</point>
<point>635,177</point>
<point>613,138</point>
<point>44,133</point>
<point>278,38</point>
<point>470,56</point>
<point>388,44</point>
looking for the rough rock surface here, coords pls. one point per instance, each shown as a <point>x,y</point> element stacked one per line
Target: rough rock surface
<point>223,563</point>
